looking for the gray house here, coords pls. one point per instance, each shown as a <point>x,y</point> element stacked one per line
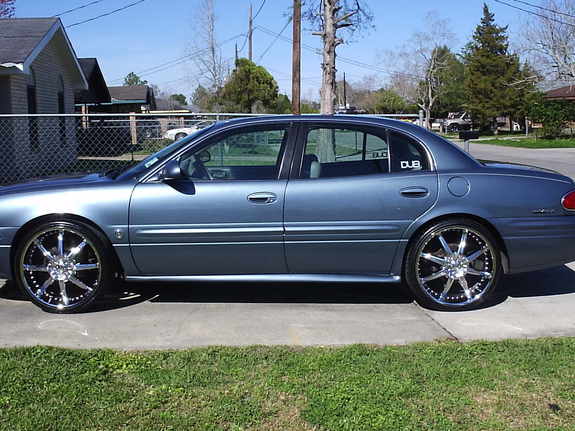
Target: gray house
<point>39,73</point>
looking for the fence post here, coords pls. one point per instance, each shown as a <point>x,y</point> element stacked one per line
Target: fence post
<point>421,117</point>
<point>133,129</point>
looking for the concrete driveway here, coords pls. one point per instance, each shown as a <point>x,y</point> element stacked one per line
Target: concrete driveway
<point>180,316</point>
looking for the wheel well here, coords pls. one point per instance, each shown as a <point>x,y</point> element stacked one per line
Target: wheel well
<point>58,217</point>
<point>482,221</point>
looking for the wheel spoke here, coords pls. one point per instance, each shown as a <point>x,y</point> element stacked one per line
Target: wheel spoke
<point>434,259</point>
<point>86,266</point>
<point>446,288</point>
<point>445,245</point>
<point>485,274</point>
<point>463,283</point>
<point>77,249</point>
<point>462,243</point>
<point>42,291</point>
<point>61,244</point>
<point>475,255</point>
<point>80,284</point>
<point>434,276</point>
<point>35,268</point>
<point>43,250</point>
<point>64,292</point>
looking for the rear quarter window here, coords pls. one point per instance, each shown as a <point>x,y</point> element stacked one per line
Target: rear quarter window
<point>407,154</point>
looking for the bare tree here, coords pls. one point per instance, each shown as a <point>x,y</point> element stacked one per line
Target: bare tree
<point>329,18</point>
<point>7,8</point>
<point>423,61</point>
<point>206,54</point>
<point>549,40</point>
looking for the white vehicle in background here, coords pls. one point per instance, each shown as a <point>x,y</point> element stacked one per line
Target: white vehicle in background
<point>457,121</point>
<point>181,132</point>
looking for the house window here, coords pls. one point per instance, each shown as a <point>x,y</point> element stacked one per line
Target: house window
<point>33,132</point>
<point>62,110</point>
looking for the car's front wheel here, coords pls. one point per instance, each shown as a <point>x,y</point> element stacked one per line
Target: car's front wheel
<point>180,136</point>
<point>453,265</point>
<point>62,266</point>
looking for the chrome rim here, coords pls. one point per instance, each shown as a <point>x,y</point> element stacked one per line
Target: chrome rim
<point>60,267</point>
<point>456,266</point>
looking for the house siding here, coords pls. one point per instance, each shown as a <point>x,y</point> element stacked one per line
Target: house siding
<point>51,152</point>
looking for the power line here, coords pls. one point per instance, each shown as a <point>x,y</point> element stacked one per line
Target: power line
<point>340,58</point>
<point>259,10</point>
<point>535,13</point>
<point>106,14</point>
<point>275,40</point>
<point>544,8</point>
<point>169,64</point>
<point>79,7</point>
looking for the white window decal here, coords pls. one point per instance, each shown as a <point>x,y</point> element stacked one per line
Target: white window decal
<point>414,164</point>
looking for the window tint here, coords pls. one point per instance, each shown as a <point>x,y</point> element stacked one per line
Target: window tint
<point>343,152</point>
<point>248,155</point>
<point>407,154</point>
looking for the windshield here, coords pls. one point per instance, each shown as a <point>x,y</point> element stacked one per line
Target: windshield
<point>158,157</point>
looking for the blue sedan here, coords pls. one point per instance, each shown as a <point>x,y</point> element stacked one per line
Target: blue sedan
<point>289,198</point>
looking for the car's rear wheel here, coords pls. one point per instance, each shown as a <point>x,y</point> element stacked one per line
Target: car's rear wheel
<point>62,266</point>
<point>453,265</point>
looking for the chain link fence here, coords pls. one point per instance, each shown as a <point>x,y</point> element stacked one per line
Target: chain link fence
<point>35,146</point>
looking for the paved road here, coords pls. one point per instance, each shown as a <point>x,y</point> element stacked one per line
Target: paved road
<point>558,159</point>
<point>170,316</point>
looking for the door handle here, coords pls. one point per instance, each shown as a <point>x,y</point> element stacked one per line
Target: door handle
<point>414,192</point>
<point>262,198</point>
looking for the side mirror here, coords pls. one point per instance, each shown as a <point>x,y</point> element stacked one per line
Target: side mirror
<point>172,171</point>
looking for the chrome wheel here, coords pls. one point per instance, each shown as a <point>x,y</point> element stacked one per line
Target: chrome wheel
<point>455,266</point>
<point>60,268</point>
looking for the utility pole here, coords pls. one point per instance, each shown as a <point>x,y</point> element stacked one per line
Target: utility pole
<point>236,58</point>
<point>296,59</point>
<point>344,92</point>
<point>250,34</point>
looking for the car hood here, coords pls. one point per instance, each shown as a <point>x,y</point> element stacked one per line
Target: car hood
<point>54,182</point>
<point>517,168</point>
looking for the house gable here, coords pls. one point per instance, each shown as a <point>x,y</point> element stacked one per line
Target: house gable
<point>27,38</point>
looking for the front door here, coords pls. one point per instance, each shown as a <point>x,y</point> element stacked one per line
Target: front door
<point>354,193</point>
<point>224,217</point>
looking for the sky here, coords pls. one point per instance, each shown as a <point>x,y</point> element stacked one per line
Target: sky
<point>155,32</point>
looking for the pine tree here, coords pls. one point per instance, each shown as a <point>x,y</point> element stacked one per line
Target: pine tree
<point>494,79</point>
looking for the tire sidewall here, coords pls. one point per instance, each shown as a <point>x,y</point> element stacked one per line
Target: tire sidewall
<point>96,238</point>
<point>410,274</point>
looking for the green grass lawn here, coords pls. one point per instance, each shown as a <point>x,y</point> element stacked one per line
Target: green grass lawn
<point>526,385</point>
<point>530,143</point>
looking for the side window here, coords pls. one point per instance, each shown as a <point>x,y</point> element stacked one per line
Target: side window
<point>342,152</point>
<point>407,154</point>
<point>247,155</point>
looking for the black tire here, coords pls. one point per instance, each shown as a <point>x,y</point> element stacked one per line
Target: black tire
<point>453,128</point>
<point>85,265</point>
<point>427,245</point>
<point>180,136</point>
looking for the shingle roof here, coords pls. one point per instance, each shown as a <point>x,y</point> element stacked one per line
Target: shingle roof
<point>97,91</point>
<point>134,92</point>
<point>19,37</point>
<point>567,92</point>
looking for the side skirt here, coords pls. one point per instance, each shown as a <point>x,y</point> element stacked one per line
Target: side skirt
<point>261,278</point>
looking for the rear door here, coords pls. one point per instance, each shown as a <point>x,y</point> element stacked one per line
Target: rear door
<point>350,198</point>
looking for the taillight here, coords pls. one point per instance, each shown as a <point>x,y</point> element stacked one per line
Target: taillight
<point>568,201</point>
